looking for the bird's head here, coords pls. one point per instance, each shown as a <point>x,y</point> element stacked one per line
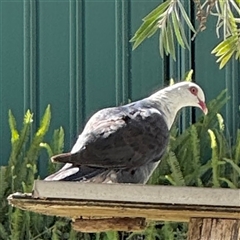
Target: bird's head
<point>191,95</point>
<point>172,98</point>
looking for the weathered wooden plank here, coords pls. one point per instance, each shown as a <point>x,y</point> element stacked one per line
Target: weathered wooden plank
<point>211,229</point>
<point>97,208</point>
<point>107,224</point>
<point>137,193</point>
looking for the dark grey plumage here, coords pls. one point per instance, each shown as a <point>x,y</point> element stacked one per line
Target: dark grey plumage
<point>122,144</point>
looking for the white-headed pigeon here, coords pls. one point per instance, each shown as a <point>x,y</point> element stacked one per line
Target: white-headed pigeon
<point>125,144</point>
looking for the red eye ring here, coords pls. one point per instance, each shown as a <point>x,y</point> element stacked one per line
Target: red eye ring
<point>193,90</point>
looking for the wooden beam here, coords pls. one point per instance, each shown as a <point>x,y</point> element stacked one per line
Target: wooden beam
<point>107,224</point>
<point>211,229</point>
<point>161,212</point>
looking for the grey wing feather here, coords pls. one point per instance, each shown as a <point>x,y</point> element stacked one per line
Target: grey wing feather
<point>122,137</point>
<point>69,172</point>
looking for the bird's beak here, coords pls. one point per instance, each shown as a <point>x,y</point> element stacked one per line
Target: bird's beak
<point>203,107</point>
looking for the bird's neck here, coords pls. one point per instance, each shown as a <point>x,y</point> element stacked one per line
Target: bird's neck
<point>168,103</point>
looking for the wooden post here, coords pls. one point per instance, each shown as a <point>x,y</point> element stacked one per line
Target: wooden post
<point>214,229</point>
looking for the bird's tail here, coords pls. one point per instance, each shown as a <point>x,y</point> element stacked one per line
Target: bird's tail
<point>76,159</point>
<point>63,158</point>
<point>75,170</point>
<point>69,172</point>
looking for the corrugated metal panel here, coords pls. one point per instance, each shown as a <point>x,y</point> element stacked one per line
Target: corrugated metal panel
<point>147,68</point>
<point>76,56</point>
<point>11,69</point>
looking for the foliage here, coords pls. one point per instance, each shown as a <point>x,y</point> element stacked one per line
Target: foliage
<point>18,176</point>
<point>172,19</point>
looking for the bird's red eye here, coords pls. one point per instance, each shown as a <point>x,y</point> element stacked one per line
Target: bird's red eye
<point>193,90</point>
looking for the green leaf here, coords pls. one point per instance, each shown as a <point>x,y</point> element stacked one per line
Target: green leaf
<point>145,30</point>
<point>238,2</point>
<point>171,40</point>
<point>19,142</point>
<point>214,158</point>
<point>220,122</point>
<point>214,106</point>
<point>165,41</point>
<point>237,55</point>
<point>58,140</point>
<point>185,16</point>
<point>154,29</point>
<point>177,175</point>
<point>48,148</point>
<point>156,13</point>
<point>112,235</point>
<point>229,183</point>
<point>3,182</point>
<point>204,168</point>
<point>97,236</point>
<point>230,20</point>
<point>225,49</point>
<point>171,81</point>
<point>188,76</point>
<point>33,150</point>
<point>184,36</point>
<point>225,54</point>
<point>13,128</point>
<point>161,48</point>
<point>234,165</point>
<point>171,180</point>
<point>27,123</point>
<point>223,44</point>
<point>195,148</point>
<point>176,29</point>
<point>225,59</point>
<point>141,29</point>
<point>45,122</point>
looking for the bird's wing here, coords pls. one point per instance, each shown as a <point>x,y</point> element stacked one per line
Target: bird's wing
<point>122,137</point>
